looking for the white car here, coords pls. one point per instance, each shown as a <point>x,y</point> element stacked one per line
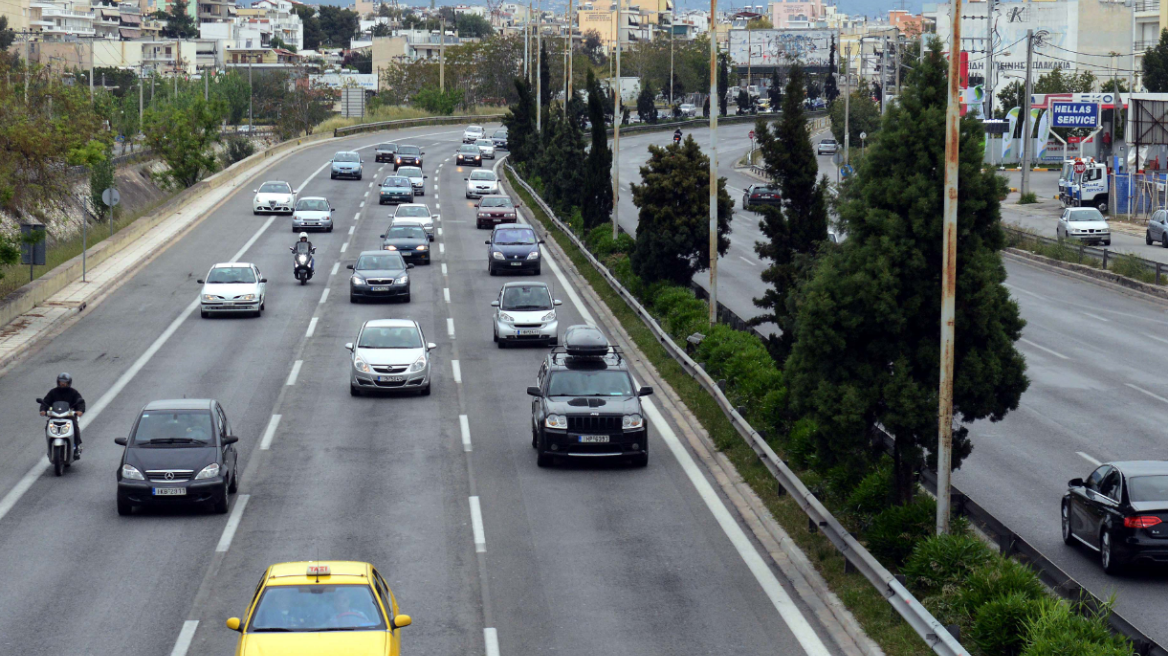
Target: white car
<point>481,183</point>
<point>233,288</point>
<point>415,214</point>
<point>274,197</point>
<point>1085,224</point>
<point>390,354</point>
<point>417,178</point>
<point>525,312</point>
<point>689,110</point>
<point>486,147</point>
<point>472,134</point>
<point>312,213</point>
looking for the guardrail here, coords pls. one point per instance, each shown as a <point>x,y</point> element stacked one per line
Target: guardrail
<point>413,122</point>
<point>1101,255</point>
<point>698,122</point>
<point>935,635</point>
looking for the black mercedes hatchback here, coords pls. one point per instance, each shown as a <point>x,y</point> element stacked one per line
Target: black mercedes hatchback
<point>179,451</point>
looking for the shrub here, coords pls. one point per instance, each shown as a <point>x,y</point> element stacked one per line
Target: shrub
<point>895,532</point>
<point>800,446</point>
<point>739,357</point>
<point>236,149</point>
<point>681,313</point>
<point>1131,266</point>
<point>1056,630</point>
<point>999,578</point>
<point>1028,198</point>
<point>943,560</point>
<point>1000,626</point>
<point>874,493</point>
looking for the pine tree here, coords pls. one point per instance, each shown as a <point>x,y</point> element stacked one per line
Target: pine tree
<point>775,92</point>
<point>596,205</point>
<point>522,141</point>
<point>799,225</point>
<point>646,108</point>
<point>723,80</point>
<point>867,339</point>
<point>560,164</point>
<point>179,23</point>
<point>830,89</point>
<point>673,228</point>
<point>1156,66</point>
<point>545,77</point>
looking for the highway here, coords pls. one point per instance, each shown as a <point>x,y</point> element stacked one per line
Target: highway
<point>1097,392</point>
<point>487,552</point>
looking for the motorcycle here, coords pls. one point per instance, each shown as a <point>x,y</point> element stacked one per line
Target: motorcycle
<point>677,139</point>
<point>303,264</point>
<point>59,434</point>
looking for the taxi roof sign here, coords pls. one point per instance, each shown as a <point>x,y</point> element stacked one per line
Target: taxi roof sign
<point>318,570</point>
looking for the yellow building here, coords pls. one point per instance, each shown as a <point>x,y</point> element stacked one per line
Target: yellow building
<point>16,11</point>
<point>639,22</point>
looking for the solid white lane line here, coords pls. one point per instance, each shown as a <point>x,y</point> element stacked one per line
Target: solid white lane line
<point>450,327</point>
<point>747,261</point>
<point>1096,316</point>
<point>1158,339</point>
<point>782,602</point>
<point>443,269</point>
<point>311,327</point>
<point>344,247</point>
<point>457,371</point>
<point>232,524</point>
<point>491,638</point>
<point>1151,394</point>
<point>1040,347</point>
<point>442,249</point>
<point>185,636</point>
<point>336,267</point>
<point>351,229</point>
<point>270,433</point>
<point>1088,458</point>
<point>295,372</point>
<point>446,294</point>
<point>324,296</point>
<point>1024,291</point>
<point>476,525</point>
<point>464,428</point>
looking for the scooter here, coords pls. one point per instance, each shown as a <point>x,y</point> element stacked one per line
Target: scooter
<point>302,264</point>
<point>59,435</point>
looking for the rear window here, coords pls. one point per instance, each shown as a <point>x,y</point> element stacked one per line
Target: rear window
<point>347,157</point>
<point>412,211</point>
<point>387,147</point>
<point>396,182</point>
<point>1147,488</point>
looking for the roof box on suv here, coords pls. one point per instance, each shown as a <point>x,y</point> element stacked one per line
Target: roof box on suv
<point>585,341</point>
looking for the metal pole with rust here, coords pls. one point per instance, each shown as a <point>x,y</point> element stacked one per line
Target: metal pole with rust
<point>442,55</point>
<point>616,123</point>
<point>949,271</point>
<point>714,99</point>
<point>1026,125</point>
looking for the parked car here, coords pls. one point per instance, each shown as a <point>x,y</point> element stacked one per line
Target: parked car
<point>1086,224</point>
<point>827,147</point>
<point>379,275</point>
<point>312,213</point>
<point>486,148</point>
<point>513,248</point>
<point>525,312</point>
<point>472,134</point>
<point>410,241</point>
<point>233,288</point>
<point>481,183</point>
<point>1120,512</point>
<point>273,197</point>
<point>390,354</point>
<point>689,110</point>
<point>416,177</point>
<point>395,189</point>
<point>385,152</point>
<point>493,210</point>
<point>178,451</point>
<point>347,165</point>
<point>1158,228</point>
<point>415,214</point>
<point>761,194</point>
<point>408,156</point>
<point>469,155</point>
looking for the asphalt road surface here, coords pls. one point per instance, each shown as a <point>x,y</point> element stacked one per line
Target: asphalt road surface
<point>571,560</point>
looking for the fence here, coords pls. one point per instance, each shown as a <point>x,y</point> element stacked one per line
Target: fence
<point>1104,256</point>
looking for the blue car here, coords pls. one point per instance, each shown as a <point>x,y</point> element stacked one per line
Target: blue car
<point>395,189</point>
<point>346,164</point>
<point>513,248</point>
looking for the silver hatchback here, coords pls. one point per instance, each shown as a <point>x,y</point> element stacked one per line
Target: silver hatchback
<point>525,312</point>
<point>390,355</point>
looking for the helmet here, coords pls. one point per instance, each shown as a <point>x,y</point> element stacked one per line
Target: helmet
<point>304,235</point>
<point>65,378</point>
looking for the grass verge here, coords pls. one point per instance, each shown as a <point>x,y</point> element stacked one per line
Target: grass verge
<point>874,614</point>
<point>1124,264</point>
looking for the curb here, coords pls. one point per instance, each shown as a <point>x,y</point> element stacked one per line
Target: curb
<point>1113,281</point>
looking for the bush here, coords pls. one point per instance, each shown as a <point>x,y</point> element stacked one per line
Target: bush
<point>943,560</point>
<point>1028,198</point>
<point>800,445</point>
<point>738,356</point>
<point>236,149</point>
<point>681,313</point>
<point>895,532</point>
<point>999,578</point>
<point>1056,630</point>
<point>1000,627</point>
<point>874,493</point>
<point>438,102</point>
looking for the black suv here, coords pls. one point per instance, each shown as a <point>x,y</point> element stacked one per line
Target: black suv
<point>586,403</point>
<point>385,152</point>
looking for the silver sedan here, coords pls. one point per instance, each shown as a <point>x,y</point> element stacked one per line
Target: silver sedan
<point>233,288</point>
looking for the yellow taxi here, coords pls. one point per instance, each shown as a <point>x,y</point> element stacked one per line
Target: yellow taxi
<point>321,608</point>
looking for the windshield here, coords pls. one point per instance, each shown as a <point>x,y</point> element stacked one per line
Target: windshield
<point>275,188</point>
<point>828,141</point>
<point>230,275</point>
<point>590,383</point>
<point>406,232</point>
<point>1147,488</point>
<point>313,205</point>
<point>303,247</point>
<point>191,427</point>
<point>485,142</point>
<point>526,297</point>
<point>410,171</point>
<point>482,175</point>
<point>501,134</point>
<point>415,210</point>
<point>514,237</point>
<point>1085,214</point>
<point>470,148</point>
<point>396,182</point>
<point>387,147</point>
<point>385,337</point>
<point>346,157</point>
<point>412,151</point>
<point>474,128</point>
<point>381,261</point>
<point>317,608</point>
<point>496,202</point>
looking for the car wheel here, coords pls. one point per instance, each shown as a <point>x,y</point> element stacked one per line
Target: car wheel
<point>543,460</point>
<point>534,438</point>
<point>125,507</point>
<point>1148,238</point>
<point>233,487</point>
<point>491,270</point>
<point>538,270</point>
<point>1107,558</point>
<point>426,391</point>
<point>359,177</point>
<point>641,460</point>
<point>555,341</point>
<point>255,212</point>
<point>1101,206</point>
<point>1068,536</point>
<point>353,391</point>
<point>330,229</point>
<point>333,176</point>
<point>220,505</point>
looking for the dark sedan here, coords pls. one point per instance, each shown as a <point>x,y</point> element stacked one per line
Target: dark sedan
<point>493,210</point>
<point>410,241</point>
<point>500,139</point>
<point>1120,512</point>
<point>385,152</point>
<point>469,155</point>
<point>379,274</point>
<point>395,189</point>
<point>408,156</point>
<point>179,451</point>
<point>513,248</point>
<point>761,194</point>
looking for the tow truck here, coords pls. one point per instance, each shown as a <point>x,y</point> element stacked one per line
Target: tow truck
<point>1087,189</point>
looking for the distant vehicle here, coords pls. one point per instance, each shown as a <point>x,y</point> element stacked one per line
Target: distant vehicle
<point>827,147</point>
<point>1085,224</point>
<point>761,194</point>
<point>312,213</point>
<point>273,197</point>
<point>395,189</point>
<point>1158,228</point>
<point>481,183</point>
<point>486,148</point>
<point>525,312</point>
<point>689,110</point>
<point>472,134</point>
<point>378,275</point>
<point>500,139</point>
<point>390,355</point>
<point>408,156</point>
<point>416,177</point>
<point>493,210</point>
<point>233,288</point>
<point>513,248</point>
<point>470,155</point>
<point>1089,188</point>
<point>385,152</point>
<point>410,241</point>
<point>415,214</point>
<point>1120,512</point>
<point>347,165</point>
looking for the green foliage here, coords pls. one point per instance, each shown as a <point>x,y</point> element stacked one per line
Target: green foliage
<point>179,23</point>
<point>873,493</point>
<point>313,35</point>
<point>741,358</point>
<point>743,101</point>
<point>944,560</point>
<point>597,193</point>
<point>182,137</point>
<point>101,177</point>
<point>1001,625</point>
<point>522,140</point>
<point>1008,98</point>
<point>7,35</point>
<point>599,240</point>
<point>1028,198</point>
<point>1056,81</point>
<point>560,164</point>
<point>895,532</point>
<point>439,102</point>
<point>681,313</point>
<point>472,26</point>
<point>863,115</point>
<point>337,26</point>
<point>999,578</point>
<point>1057,630</point>
<point>723,80</point>
<point>673,231</point>
<point>646,108</point>
<point>300,108</point>
<point>236,148</point>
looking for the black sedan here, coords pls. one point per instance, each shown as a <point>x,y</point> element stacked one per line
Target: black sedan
<point>761,194</point>
<point>385,152</point>
<point>513,248</point>
<point>178,452</point>
<point>1121,512</point>
<point>470,155</point>
<point>410,241</point>
<point>408,156</point>
<point>379,274</point>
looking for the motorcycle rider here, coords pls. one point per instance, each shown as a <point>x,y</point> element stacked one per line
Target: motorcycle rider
<point>305,246</point>
<point>677,136</point>
<point>64,392</point>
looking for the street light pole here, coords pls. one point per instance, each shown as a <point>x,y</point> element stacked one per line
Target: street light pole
<point>539,70</point>
<point>847,109</point>
<point>713,163</point>
<point>672,17</point>
<point>527,44</point>
<point>616,123</point>
<point>1026,126</point>
<point>442,56</point>
<point>571,54</point>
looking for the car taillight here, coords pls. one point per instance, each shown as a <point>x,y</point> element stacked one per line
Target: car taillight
<point>1143,521</point>
<point>756,196</point>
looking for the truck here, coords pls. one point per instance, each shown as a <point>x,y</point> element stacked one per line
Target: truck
<point>1089,188</point>
<point>1066,176</point>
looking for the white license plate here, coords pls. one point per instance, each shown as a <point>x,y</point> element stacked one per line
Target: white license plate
<point>379,288</point>
<point>170,491</point>
<point>593,439</point>
<point>516,264</point>
<point>391,379</point>
<point>528,331</point>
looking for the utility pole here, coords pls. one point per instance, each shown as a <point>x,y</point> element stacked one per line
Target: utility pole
<point>527,44</point>
<point>177,62</point>
<point>896,60</point>
<point>1026,114</point>
<point>847,110</point>
<point>250,95</point>
<point>91,71</point>
<point>571,54</point>
<point>616,123</point>
<point>749,56</point>
<point>141,100</point>
<point>989,71</point>
<point>539,70</point>
<point>442,57</point>
<point>566,76</point>
<point>714,100</point>
<point>27,65</point>
<point>672,19</point>
<point>949,271</point>
<point>206,85</point>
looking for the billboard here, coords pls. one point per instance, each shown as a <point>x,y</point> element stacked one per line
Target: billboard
<point>1074,115</point>
<point>780,47</point>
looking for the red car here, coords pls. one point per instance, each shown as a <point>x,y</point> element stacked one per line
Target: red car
<point>493,210</point>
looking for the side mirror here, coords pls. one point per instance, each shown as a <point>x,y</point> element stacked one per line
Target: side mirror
<point>645,391</point>
<point>400,621</point>
<point>40,400</point>
<point>349,346</point>
<point>425,176</point>
<point>1075,482</point>
<point>541,241</point>
<point>466,178</point>
<point>255,191</point>
<point>422,152</point>
<point>487,242</point>
<point>533,391</point>
<point>558,302</point>
<point>381,236</point>
<point>431,346</point>
<point>263,279</point>
<point>233,623</point>
<point>200,281</point>
<point>494,303</point>
<point>121,441</point>
<point>332,209</point>
<point>409,265</point>
<point>350,266</point>
<point>230,439</point>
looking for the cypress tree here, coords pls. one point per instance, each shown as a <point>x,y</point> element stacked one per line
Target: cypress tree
<point>522,141</point>
<point>596,204</point>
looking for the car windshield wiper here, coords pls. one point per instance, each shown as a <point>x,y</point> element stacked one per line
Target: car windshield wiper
<point>272,629</point>
<point>527,307</point>
<point>344,628</point>
<point>171,440</point>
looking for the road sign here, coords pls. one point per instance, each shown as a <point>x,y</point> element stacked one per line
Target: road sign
<point>1074,115</point>
<point>847,170</point>
<point>752,135</point>
<point>837,158</point>
<point>863,136</point>
<point>110,197</point>
<point>1080,167</point>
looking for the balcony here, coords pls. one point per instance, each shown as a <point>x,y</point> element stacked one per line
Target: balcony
<point>1140,47</point>
<point>1142,6</point>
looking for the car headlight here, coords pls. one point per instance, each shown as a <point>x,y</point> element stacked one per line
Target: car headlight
<point>497,255</point>
<point>399,160</point>
<point>403,279</point>
<point>131,473</point>
<point>533,255</point>
<point>210,297</point>
<point>210,471</point>
<point>417,366</point>
<point>549,316</point>
<point>632,422</point>
<point>423,247</point>
<point>506,317</point>
<point>556,421</point>
<point>246,297</point>
<point>478,156</point>
<point>361,365</point>
<point>390,247</point>
<point>357,280</point>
